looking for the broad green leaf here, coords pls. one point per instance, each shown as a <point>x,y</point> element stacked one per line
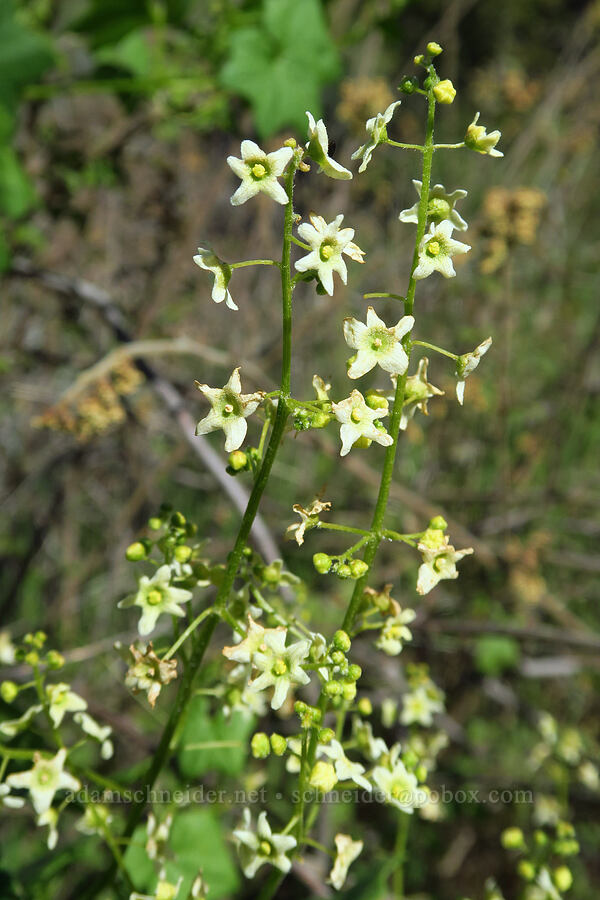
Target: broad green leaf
<point>17,195</point>
<point>200,728</point>
<point>132,53</point>
<point>24,55</point>
<point>495,653</point>
<point>281,66</point>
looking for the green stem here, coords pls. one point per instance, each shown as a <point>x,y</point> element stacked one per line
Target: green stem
<point>434,347</point>
<point>330,526</point>
<point>185,634</point>
<point>400,855</point>
<point>254,262</point>
<point>458,146</point>
<point>394,426</point>
<point>406,146</point>
<point>378,294</point>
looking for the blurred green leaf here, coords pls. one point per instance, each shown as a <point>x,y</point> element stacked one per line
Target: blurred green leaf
<point>17,195</point>
<point>281,66</point>
<point>24,55</point>
<point>200,728</point>
<point>132,53</point>
<point>495,653</point>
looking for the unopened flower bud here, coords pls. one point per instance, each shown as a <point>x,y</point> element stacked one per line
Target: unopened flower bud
<point>354,672</point>
<point>365,707</point>
<point>438,523</point>
<point>54,659</point>
<point>349,691</point>
<point>374,400</point>
<point>512,839</point>
<point>338,657</point>
<point>526,869</point>
<point>322,563</point>
<point>563,878</point>
<point>326,735</point>
<point>344,571</point>
<point>358,568</point>
<point>409,84</point>
<point>178,520</point>
<point>341,641</point>
<point>155,523</point>
<point>135,552</point>
<point>271,574</point>
<point>9,691</point>
<point>332,688</point>
<point>278,744</point>
<point>260,745</point>
<point>323,776</point>
<point>238,460</point>
<point>183,553</point>
<point>433,48</point>
<point>410,759</point>
<point>419,59</point>
<point>540,838</point>
<point>444,92</point>
<point>290,142</point>
<point>32,658</point>
<point>421,773</point>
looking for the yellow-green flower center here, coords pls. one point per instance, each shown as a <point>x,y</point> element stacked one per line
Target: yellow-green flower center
<point>355,415</point>
<point>433,248</point>
<point>258,171</point>
<point>264,848</point>
<point>279,667</point>
<point>154,597</point>
<point>44,776</point>
<point>326,251</point>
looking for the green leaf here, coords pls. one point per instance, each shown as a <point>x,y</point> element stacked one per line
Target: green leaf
<point>24,55</point>
<point>282,66</point>
<point>17,195</point>
<point>197,842</point>
<point>131,53</point>
<point>200,728</point>
<point>495,653</point>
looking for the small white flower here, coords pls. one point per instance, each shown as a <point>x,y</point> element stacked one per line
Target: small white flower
<point>318,149</point>
<point>165,890</point>
<point>45,778</point>
<point>230,409</point>
<point>94,820</point>
<point>439,559</point>
<point>436,251</point>
<point>420,705</point>
<point>347,851</point>
<point>399,786</point>
<point>394,633</point>
<point>8,800</point>
<point>11,727</point>
<point>328,242</point>
<point>62,700</point>
<point>587,773</point>
<point>157,836</point>
<point>280,667</point>
<point>50,818</point>
<point>479,140</point>
<point>100,733</point>
<point>345,769</point>
<point>466,364</point>
<point>156,596</point>
<point>260,847</point>
<point>358,421</point>
<point>377,131</point>
<point>439,208</point>
<point>309,519</point>
<point>7,649</point>
<point>371,746</point>
<point>208,260</point>
<point>244,651</point>
<point>377,344</point>
<point>259,171</point>
<point>417,392</point>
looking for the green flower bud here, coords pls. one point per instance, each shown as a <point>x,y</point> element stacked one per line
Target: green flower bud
<point>54,659</point>
<point>9,691</point>
<point>408,84</point>
<point>278,744</point>
<point>155,523</point>
<point>332,688</point>
<point>260,745</point>
<point>349,691</point>
<point>444,92</point>
<point>354,672</point>
<point>438,523</point>
<point>178,520</point>
<point>512,839</point>
<point>323,776</point>
<point>419,59</point>
<point>374,400</point>
<point>322,563</point>
<point>338,658</point>
<point>238,460</point>
<point>290,142</point>
<point>344,571</point>
<point>421,773</point>
<point>326,735</point>
<point>183,553</point>
<point>564,829</point>
<point>433,48</point>
<point>563,878</point>
<point>358,568</point>
<point>526,869</point>
<point>135,552</point>
<point>365,707</point>
<point>410,759</point>
<point>540,838</point>
<point>566,847</point>
<point>32,658</point>
<point>341,641</point>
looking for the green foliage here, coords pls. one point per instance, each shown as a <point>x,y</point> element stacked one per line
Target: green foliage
<point>24,56</point>
<point>197,842</point>
<point>203,728</point>
<point>281,65</point>
<point>495,653</point>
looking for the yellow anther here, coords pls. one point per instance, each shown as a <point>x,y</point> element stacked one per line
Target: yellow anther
<point>258,170</point>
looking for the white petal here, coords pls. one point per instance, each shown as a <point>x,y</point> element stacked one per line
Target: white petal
<point>274,190</point>
<point>238,166</point>
<point>460,392</point>
<point>396,361</point>
<point>235,432</point>
<point>353,331</point>
<point>404,326</point>
<point>309,262</point>
<point>246,190</point>
<point>364,362</point>
<point>250,150</point>
<point>279,159</point>
<point>234,383</point>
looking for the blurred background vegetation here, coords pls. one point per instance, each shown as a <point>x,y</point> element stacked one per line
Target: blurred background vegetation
<point>116,117</point>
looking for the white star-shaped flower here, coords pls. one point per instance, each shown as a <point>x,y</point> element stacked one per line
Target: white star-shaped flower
<point>45,778</point>
<point>377,344</point>
<point>309,519</point>
<point>377,131</point>
<point>345,769</point>
<point>466,364</point>
<point>244,651</point>
<point>347,851</point>
<point>358,421</point>
<point>11,727</point>
<point>209,261</point>
<point>440,206</point>
<point>155,597</point>
<point>394,633</point>
<point>328,242</point>
<point>255,848</point>
<point>436,251</point>
<point>420,706</point>
<point>479,140</point>
<point>439,559</point>
<point>280,667</point>
<point>318,149</point>
<point>399,786</point>
<point>62,700</point>
<point>259,172</point>
<point>230,409</point>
